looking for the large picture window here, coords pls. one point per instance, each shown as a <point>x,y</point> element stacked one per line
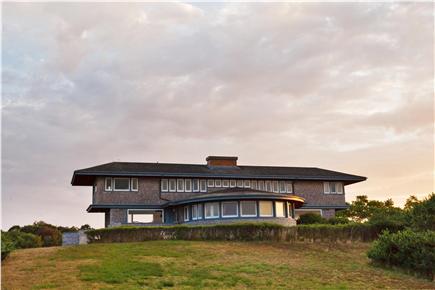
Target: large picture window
<point>266,209</point>
<point>248,208</point>
<point>211,210</point>
<point>121,184</point>
<point>230,209</point>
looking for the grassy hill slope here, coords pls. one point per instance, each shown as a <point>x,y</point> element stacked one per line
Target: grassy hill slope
<point>199,265</point>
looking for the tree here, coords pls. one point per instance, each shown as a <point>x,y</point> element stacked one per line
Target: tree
<point>362,208</point>
<point>422,214</point>
<point>411,202</point>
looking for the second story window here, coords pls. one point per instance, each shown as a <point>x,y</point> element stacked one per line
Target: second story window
<point>108,184</point>
<point>180,185</point>
<point>121,184</point>
<point>203,185</point>
<point>195,185</point>
<point>134,184</point>
<point>188,185</point>
<point>333,187</point>
<point>164,185</point>
<point>172,185</point>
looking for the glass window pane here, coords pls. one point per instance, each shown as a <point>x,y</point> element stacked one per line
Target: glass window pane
<point>199,207</point>
<point>232,183</point>
<point>194,212</point>
<point>268,185</point>
<point>239,183</point>
<point>248,208</point>
<point>230,209</point>
<point>134,184</point>
<point>195,185</point>
<point>121,183</point>
<point>279,209</point>
<point>275,186</point>
<point>172,185</point>
<point>225,183</point>
<point>266,208</point>
<point>261,185</point>
<point>212,210</point>
<point>282,186</point>
<point>180,185</point>
<point>289,187</point>
<point>210,183</point>
<point>165,185</point>
<point>203,184</point>
<point>188,185</point>
<point>247,183</point>
<point>109,183</point>
<point>254,184</point>
<point>332,187</point>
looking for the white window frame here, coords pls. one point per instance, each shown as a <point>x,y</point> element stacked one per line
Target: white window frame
<point>248,215</point>
<point>239,183</point>
<point>225,183</point>
<point>179,189</point>
<point>137,184</point>
<point>282,186</point>
<point>259,207</point>
<point>162,188</point>
<point>186,213</point>
<point>214,216</point>
<point>326,189</point>
<point>261,185</point>
<point>217,183</point>
<point>254,184</point>
<point>105,184</point>
<point>233,183</point>
<point>194,212</point>
<point>281,205</point>
<point>229,216</point>
<point>210,183</point>
<point>268,186</point>
<point>186,181</point>
<point>289,186</point>
<point>340,188</point>
<point>203,185</point>
<point>275,186</point>
<point>246,183</point>
<point>195,181</point>
<point>169,185</point>
<point>114,183</point>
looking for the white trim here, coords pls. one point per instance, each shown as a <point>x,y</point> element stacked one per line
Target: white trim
<point>193,187</point>
<point>137,184</point>
<point>114,183</point>
<point>167,185</point>
<point>326,188</point>
<point>215,215</point>
<point>185,183</point>
<point>248,215</point>
<point>184,213</point>
<point>229,216</point>
<point>179,189</point>
<point>105,184</point>
<point>203,182</point>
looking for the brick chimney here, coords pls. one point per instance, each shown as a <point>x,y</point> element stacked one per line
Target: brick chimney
<point>221,160</point>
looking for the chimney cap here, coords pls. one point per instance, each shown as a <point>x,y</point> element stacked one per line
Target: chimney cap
<point>221,158</point>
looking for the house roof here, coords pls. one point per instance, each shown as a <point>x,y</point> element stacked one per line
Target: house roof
<point>86,176</point>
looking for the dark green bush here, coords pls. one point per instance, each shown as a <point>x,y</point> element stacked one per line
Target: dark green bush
<point>422,215</point>
<point>7,245</point>
<point>312,218</point>
<point>406,249</point>
<point>392,219</point>
<point>338,220</point>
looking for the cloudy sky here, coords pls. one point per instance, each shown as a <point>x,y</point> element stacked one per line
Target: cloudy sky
<point>346,86</point>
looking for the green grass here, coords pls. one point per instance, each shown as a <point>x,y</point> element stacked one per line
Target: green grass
<point>201,265</point>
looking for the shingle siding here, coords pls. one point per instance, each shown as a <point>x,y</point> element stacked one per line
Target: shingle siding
<point>312,192</point>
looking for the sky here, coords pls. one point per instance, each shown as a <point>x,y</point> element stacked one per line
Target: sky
<point>342,86</point>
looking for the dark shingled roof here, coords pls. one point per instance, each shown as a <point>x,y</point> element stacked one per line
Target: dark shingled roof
<point>86,176</point>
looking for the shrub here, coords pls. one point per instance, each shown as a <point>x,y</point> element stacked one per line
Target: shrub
<point>312,218</point>
<point>7,245</point>
<point>50,235</point>
<point>338,220</point>
<point>392,219</point>
<point>422,215</point>
<point>406,249</point>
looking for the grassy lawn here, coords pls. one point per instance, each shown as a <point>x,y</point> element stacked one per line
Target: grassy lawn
<point>199,265</point>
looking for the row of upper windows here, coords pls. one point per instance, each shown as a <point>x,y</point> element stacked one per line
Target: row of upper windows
<point>121,184</point>
<point>201,185</point>
<point>333,188</point>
